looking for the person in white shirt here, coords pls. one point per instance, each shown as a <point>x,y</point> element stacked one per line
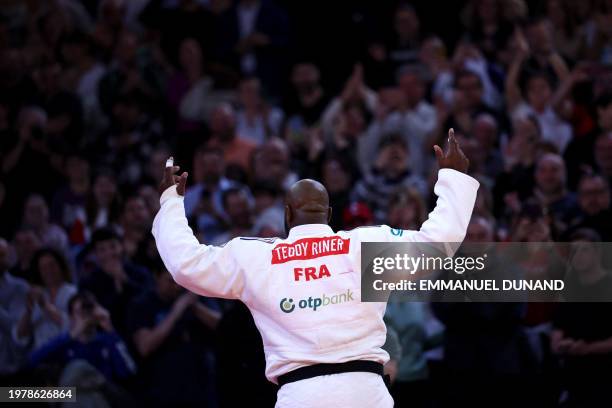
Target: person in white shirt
<point>322,356</point>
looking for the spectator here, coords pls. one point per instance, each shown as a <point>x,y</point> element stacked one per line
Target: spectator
<point>91,337</point>
<point>584,343</point>
<point>103,203</point>
<point>68,205</point>
<point>136,221</point>
<point>483,339</point>
<point>603,154</point>
<point>337,178</point>
<point>237,204</point>
<point>390,171</point>
<point>83,76</point>
<point>271,164</point>
<point>594,202</point>
<point>114,281</point>
<point>131,71</point>
<point>536,98</point>
<point>256,120</point>
<point>551,190</point>
<point>236,150</point>
<point>303,105</point>
<point>204,199</point>
<point>254,39</point>
<point>46,312</point>
<point>13,298</point>
<point>36,217</point>
<point>172,333</point>
<point>406,209</point>
<point>189,88</point>
<point>25,243</point>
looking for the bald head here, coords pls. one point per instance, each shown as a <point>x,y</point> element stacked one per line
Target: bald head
<point>307,202</point>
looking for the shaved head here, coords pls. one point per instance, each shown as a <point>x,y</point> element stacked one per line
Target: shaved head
<point>307,202</point>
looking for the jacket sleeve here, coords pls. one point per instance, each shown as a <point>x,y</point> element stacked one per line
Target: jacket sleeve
<point>447,222</point>
<point>203,269</point>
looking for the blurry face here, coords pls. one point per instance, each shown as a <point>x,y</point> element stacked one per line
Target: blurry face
<point>272,163</point>
<point>305,77</point>
<point>406,24</point>
<point>249,93</point>
<point>104,189</point>
<point>50,271</point>
<point>237,208</point>
<point>26,243</point>
<point>538,92</point>
<point>136,212</point>
<point>479,230</point>
<point>403,216</point>
<point>36,212</point>
<point>77,169</point>
<point>412,88</point>
<point>473,151</point>
<point>335,178</point>
<point>190,54</point>
<point>470,90</point>
<point>354,122</point>
<point>396,158</point>
<point>603,153</point>
<point>584,256</point>
<point>536,230</point>
<point>485,132</point>
<point>593,195</point>
<point>550,174</point>
<point>210,166</point>
<point>604,115</point>
<point>540,38</point>
<point>109,250</point>
<point>126,48</point>
<point>222,123</point>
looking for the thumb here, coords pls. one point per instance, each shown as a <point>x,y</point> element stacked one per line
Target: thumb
<point>439,153</point>
<point>182,182</point>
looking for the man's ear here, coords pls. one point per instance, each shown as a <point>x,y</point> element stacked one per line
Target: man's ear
<point>329,214</point>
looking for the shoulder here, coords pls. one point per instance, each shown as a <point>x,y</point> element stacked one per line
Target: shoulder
<point>19,285</point>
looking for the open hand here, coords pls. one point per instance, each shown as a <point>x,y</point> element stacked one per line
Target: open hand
<point>170,179</point>
<point>454,158</point>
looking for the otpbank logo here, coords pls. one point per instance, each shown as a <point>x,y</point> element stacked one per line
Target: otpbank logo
<point>288,305</point>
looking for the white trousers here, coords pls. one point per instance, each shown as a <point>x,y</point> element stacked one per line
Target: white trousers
<point>354,390</point>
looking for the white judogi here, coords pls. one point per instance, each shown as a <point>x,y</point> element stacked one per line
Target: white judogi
<point>304,291</point>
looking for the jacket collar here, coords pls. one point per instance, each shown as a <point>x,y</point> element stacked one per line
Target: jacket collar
<point>309,229</point>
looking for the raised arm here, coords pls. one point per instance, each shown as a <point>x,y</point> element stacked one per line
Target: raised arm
<point>456,192</point>
<point>203,269</point>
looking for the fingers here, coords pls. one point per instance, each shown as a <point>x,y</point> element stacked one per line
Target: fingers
<point>439,153</point>
<point>453,145</point>
<point>182,182</point>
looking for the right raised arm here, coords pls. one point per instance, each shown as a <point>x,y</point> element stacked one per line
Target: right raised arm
<point>203,269</point>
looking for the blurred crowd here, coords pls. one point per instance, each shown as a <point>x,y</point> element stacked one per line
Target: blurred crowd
<point>250,96</point>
